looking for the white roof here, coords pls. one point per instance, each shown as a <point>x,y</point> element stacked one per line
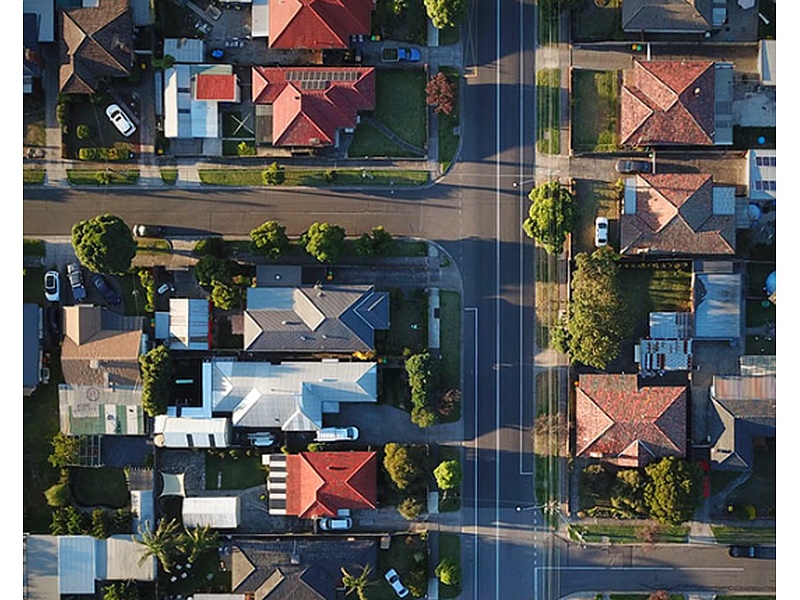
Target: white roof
<point>766,64</point>
<point>40,566</point>
<point>260,19</point>
<point>762,174</point>
<point>188,324</point>
<point>218,512</point>
<point>122,556</point>
<point>143,509</point>
<point>186,432</point>
<point>185,50</point>
<point>76,564</point>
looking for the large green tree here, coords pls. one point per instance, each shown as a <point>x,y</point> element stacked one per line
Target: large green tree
<point>104,244</point>
<point>197,541</point>
<point>598,312</point>
<point>448,474</point>
<point>270,239</point>
<point>446,13</point>
<point>356,583</point>
<point>66,450</point>
<point>156,367</point>
<point>324,241</point>
<point>403,464</point>
<point>164,543</point>
<point>552,215</point>
<point>673,490</point>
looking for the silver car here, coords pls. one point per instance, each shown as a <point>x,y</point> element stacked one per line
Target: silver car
<point>120,120</point>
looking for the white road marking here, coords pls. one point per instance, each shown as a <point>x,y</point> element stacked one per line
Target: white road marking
<point>474,311</point>
<point>497,306</point>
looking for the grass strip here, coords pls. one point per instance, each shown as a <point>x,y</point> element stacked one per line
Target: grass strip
<point>94,177</point>
<point>317,177</point>
<point>33,176</point>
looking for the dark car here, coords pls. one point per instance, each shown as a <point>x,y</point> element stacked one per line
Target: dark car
<point>53,314</point>
<point>148,231</point>
<point>75,276</point>
<point>634,166</point>
<point>751,552</point>
<point>109,295</point>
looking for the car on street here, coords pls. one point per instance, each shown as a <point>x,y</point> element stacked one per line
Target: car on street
<point>600,232</point>
<point>148,230</point>
<point>120,120</point>
<point>751,551</point>
<point>52,286</point>
<point>335,523</point>
<point>634,166</point>
<point>109,295</point>
<point>75,276</point>
<point>393,579</point>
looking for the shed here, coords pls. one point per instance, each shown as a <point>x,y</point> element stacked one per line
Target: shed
<point>185,432</point>
<point>123,560</point>
<point>217,512</point>
<point>717,305</point>
<point>185,50</point>
<point>77,561</point>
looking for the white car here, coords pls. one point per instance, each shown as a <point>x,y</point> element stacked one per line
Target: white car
<point>600,232</point>
<point>335,523</point>
<point>337,434</point>
<point>394,580</point>
<point>52,286</point>
<point>120,120</point>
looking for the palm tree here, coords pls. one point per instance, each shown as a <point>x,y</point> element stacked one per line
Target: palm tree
<point>162,543</point>
<point>197,541</point>
<point>356,583</point>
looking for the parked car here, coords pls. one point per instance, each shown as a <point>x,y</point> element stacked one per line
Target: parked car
<point>408,54</point>
<point>75,276</point>
<point>393,579</point>
<point>261,439</point>
<point>120,120</point>
<point>751,551</point>
<point>335,523</point>
<point>148,230</point>
<point>52,286</point>
<point>634,166</point>
<point>600,232</point>
<point>53,314</point>
<point>109,295</point>
<point>337,434</point>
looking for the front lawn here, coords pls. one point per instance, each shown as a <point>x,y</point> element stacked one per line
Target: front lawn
<point>169,176</point>
<point>448,140</point>
<point>591,23</point>
<point>596,199</point>
<point>743,535</point>
<point>449,547</point>
<point>99,486</point>
<point>759,489</point>
<point>406,553</point>
<point>410,25</point>
<point>450,339</point>
<point>103,177</point>
<point>233,470</point>
<point>33,176</point>
<point>594,121</point>
<point>409,310</point>
<point>548,111</point>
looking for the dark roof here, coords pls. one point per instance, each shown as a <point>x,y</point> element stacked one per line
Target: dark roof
<point>666,16</point>
<point>668,103</point>
<point>674,214</point>
<point>297,570</point>
<point>30,346</point>
<point>627,425</point>
<point>96,43</point>
<point>317,24</point>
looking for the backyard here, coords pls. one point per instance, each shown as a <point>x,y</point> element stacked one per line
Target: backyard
<point>99,486</point>
<point>234,470</point>
<point>594,124</point>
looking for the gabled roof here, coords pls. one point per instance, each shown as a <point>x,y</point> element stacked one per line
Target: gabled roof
<point>666,16</point>
<point>329,318</point>
<point>321,483</point>
<point>100,348</point>
<point>675,214</point>
<point>96,43</point>
<point>317,24</point>
<point>627,425</point>
<point>311,103</point>
<point>668,103</point>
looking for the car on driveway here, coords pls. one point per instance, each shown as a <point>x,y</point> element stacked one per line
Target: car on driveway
<point>627,167</point>
<point>408,54</point>
<point>120,120</point>
<point>52,286</point>
<point>335,523</point>
<point>148,230</point>
<point>600,232</point>
<point>75,276</point>
<point>109,295</point>
<point>337,434</point>
<point>393,579</point>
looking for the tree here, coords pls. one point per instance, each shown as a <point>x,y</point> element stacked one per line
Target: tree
<point>273,174</point>
<point>82,131</point>
<point>449,405</point>
<point>324,241</point>
<point>270,239</point>
<point>225,296</point>
<point>423,416</point>
<point>210,268</point>
<point>673,490</point>
<point>197,541</point>
<point>104,244</point>
<point>598,313</point>
<point>403,465</point>
<point>627,492</point>
<point>101,523</point>
<point>163,543</point>
<point>156,367</point>
<point>448,474</point>
<point>121,590</point>
<point>552,215</point>
<point>66,450</point>
<point>446,13</point>
<point>356,583</point>
<point>211,246</point>
<point>410,508</point>
<point>449,571</point>
<point>378,244</point>
<point>441,94</point>
<point>58,495</point>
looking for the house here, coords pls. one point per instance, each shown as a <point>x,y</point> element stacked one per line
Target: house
<point>32,371</point>
<point>309,106</point>
<point>314,318</point>
<point>677,214</point>
<point>217,512</point>
<point>677,103</point>
<point>317,24</point>
<point>672,16</point>
<point>302,569</point>
<point>742,416</point>
<point>96,45</point>
<point>69,565</point>
<point>185,432</point>
<point>669,347</point>
<point>292,396</point>
<point>32,63</point>
<point>626,424</point>
<point>322,484</point>
<point>186,326</point>
<point>761,174</point>
<point>717,302</point>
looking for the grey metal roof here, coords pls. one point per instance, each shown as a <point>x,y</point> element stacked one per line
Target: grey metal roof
<point>717,305</point>
<point>77,563</point>
<point>670,325</point>
<point>757,364</point>
<point>185,50</point>
<point>723,103</point>
<point>666,16</point>
<point>30,346</point>
<point>40,567</point>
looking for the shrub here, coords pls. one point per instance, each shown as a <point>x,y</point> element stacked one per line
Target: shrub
<point>87,153</point>
<point>403,464</point>
<point>210,268</point>
<point>273,174</point>
<point>225,296</point>
<point>156,367</point>
<point>82,131</point>
<point>450,403</point>
<point>329,175</point>
<point>211,246</point>
<point>245,149</point>
<point>58,495</point>
<point>449,571</point>
<point>410,508</point>
<point>422,416</point>
<point>448,474</point>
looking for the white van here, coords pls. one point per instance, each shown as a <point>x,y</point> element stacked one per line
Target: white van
<point>335,523</point>
<point>335,434</point>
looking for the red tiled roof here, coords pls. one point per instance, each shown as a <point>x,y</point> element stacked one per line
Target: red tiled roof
<point>216,87</point>
<point>310,103</point>
<point>668,103</point>
<point>320,483</point>
<point>627,425</point>
<point>675,215</point>
<point>317,24</point>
